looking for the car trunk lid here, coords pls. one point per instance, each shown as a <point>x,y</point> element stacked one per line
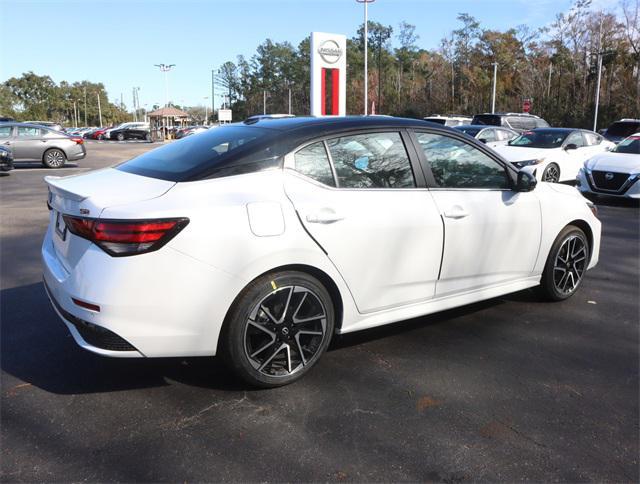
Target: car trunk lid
<point>88,195</point>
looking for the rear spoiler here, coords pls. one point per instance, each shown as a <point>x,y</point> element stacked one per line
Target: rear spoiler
<point>54,187</point>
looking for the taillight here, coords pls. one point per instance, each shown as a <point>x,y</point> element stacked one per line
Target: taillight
<point>126,237</point>
<point>78,141</point>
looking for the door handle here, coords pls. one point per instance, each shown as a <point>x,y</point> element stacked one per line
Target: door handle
<point>7,142</point>
<point>324,216</point>
<point>456,212</point>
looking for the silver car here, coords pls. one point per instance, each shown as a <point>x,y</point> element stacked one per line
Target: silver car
<point>30,142</point>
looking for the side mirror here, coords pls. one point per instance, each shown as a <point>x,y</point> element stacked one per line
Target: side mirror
<point>571,146</point>
<point>482,140</point>
<point>526,181</point>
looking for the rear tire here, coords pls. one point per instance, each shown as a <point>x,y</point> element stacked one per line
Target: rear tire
<point>566,264</point>
<point>54,158</point>
<point>277,329</point>
<point>147,137</point>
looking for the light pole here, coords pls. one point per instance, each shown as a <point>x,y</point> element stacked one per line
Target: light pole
<point>366,53</point>
<point>165,68</point>
<point>493,96</point>
<point>99,109</point>
<point>206,121</point>
<point>213,96</point>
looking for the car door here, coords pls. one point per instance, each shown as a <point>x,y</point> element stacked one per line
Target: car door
<point>28,143</point>
<point>573,159</point>
<point>492,233</point>
<point>361,199</point>
<point>6,136</point>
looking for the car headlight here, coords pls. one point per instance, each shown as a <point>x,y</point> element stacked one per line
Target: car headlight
<point>523,163</point>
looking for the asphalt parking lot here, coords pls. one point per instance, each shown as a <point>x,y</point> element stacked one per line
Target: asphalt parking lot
<point>508,389</point>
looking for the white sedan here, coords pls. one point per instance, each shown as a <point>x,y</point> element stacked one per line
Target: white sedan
<point>613,174</point>
<point>492,136</point>
<point>260,240</point>
<point>554,154</point>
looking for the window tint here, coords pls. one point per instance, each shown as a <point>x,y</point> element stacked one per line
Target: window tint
<point>28,132</point>
<point>592,139</point>
<point>490,119</point>
<point>456,164</point>
<point>313,162</point>
<point>576,139</point>
<point>373,160</point>
<point>5,131</point>
<point>223,151</point>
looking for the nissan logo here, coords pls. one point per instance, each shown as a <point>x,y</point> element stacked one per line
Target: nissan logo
<point>609,176</point>
<point>330,51</point>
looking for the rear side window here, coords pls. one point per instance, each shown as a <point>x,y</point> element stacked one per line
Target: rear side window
<point>222,151</point>
<point>313,162</point>
<point>5,131</point>
<point>488,119</point>
<point>488,135</point>
<point>456,164</point>
<point>541,123</point>
<point>372,160</point>
<point>519,123</point>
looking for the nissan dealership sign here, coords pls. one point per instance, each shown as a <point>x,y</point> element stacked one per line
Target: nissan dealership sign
<point>330,51</point>
<point>328,74</point>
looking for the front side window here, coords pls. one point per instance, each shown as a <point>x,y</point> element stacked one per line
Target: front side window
<point>456,164</point>
<point>592,139</point>
<point>372,160</point>
<point>5,131</point>
<point>28,132</point>
<point>630,145</point>
<point>488,135</point>
<point>575,138</point>
<point>313,162</point>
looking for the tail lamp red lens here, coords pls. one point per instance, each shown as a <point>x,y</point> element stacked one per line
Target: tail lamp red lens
<point>126,237</point>
<point>78,141</point>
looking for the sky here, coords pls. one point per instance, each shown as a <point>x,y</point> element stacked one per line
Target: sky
<point>118,42</point>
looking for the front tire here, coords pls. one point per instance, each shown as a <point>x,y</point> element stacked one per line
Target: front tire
<point>278,328</point>
<point>120,137</point>
<point>566,264</point>
<point>54,158</point>
<point>551,173</point>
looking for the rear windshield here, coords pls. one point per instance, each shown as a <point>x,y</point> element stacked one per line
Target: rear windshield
<point>222,151</point>
<point>436,120</point>
<point>540,138</point>
<point>630,145</point>
<point>623,128</point>
<point>486,119</point>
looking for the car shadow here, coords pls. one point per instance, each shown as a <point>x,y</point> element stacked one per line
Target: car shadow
<point>25,165</point>
<point>36,348</point>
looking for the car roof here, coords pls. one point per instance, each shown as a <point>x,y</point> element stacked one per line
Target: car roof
<point>29,125</point>
<point>337,123</point>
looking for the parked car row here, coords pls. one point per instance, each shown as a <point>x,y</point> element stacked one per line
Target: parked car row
<point>121,132</point>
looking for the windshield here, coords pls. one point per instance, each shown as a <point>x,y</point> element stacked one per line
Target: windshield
<point>540,139</point>
<point>623,128</point>
<point>630,145</point>
<point>230,148</point>
<point>470,130</point>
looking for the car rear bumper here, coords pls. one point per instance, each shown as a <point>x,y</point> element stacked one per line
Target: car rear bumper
<point>160,304</point>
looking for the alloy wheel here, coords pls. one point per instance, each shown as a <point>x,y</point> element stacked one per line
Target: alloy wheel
<point>54,158</point>
<point>570,264</point>
<point>285,331</point>
<point>551,174</point>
